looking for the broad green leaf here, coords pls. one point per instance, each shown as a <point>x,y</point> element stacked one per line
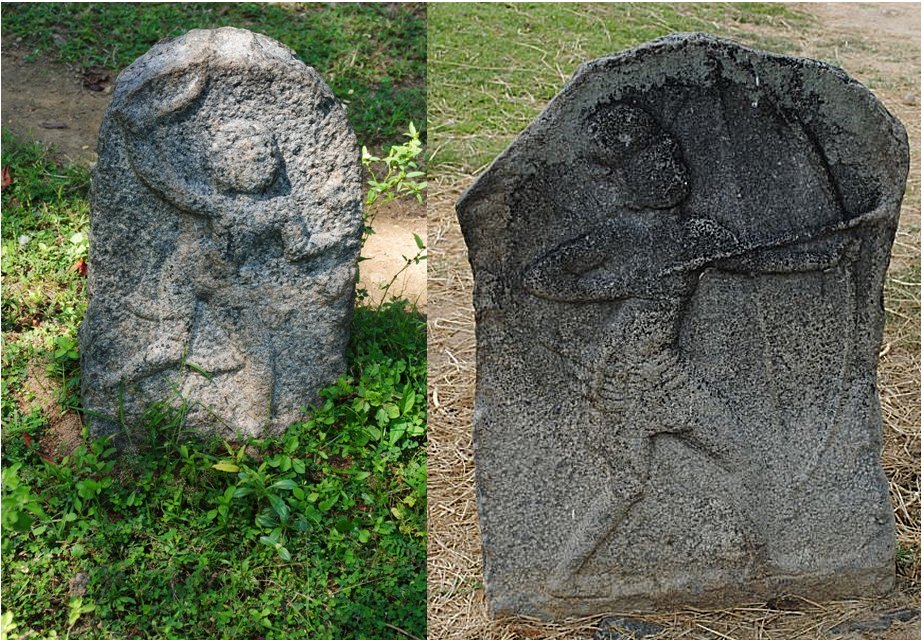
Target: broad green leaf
<point>279,506</point>
<point>286,484</point>
<point>328,503</point>
<point>343,525</point>
<point>408,402</point>
<point>265,519</point>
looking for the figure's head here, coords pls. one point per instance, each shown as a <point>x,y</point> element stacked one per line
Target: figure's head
<point>243,157</point>
<point>628,140</point>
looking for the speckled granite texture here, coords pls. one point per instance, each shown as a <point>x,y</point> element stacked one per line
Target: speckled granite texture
<point>225,231</point>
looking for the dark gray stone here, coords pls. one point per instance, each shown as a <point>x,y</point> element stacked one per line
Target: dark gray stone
<point>880,623</point>
<point>625,629</point>
<point>678,276</point>
<point>224,237</point>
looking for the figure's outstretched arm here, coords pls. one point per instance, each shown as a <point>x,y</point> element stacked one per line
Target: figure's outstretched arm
<point>811,249</point>
<point>566,273</point>
<point>813,255</point>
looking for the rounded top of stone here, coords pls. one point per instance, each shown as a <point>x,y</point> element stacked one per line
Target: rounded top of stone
<point>225,48</point>
<point>697,40</point>
<point>225,45</point>
<point>175,72</point>
<point>826,100</point>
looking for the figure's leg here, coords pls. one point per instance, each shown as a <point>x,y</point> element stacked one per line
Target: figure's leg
<point>628,463</point>
<point>715,431</point>
<point>617,385</point>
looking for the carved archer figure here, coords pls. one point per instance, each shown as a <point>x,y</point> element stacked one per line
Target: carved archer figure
<point>646,260</point>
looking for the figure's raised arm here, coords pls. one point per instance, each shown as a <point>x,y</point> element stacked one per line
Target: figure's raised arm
<point>146,122</point>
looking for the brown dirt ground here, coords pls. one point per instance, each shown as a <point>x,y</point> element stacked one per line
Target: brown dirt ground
<point>63,433</point>
<point>878,44</point>
<point>388,250</point>
<point>48,102</point>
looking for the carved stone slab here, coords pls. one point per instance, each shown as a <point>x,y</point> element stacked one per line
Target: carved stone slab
<point>225,230</point>
<point>678,276</point>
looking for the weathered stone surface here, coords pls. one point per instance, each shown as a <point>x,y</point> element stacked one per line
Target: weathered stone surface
<point>678,274</point>
<point>225,231</point>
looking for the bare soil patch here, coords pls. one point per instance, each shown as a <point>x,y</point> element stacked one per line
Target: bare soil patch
<point>63,432</point>
<point>389,249</point>
<point>880,46</point>
<point>48,102</point>
<point>898,19</point>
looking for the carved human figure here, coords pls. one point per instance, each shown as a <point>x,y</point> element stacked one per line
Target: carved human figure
<point>646,260</point>
<point>220,271</point>
<point>233,185</point>
<point>677,276</point>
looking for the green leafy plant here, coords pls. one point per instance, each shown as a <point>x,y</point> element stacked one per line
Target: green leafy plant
<point>75,609</point>
<point>183,534</point>
<point>396,175</point>
<point>402,173</point>
<point>7,625</point>
<point>20,507</point>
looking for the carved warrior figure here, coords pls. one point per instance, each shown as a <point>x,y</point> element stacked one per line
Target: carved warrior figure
<point>678,270</point>
<point>224,237</point>
<point>639,367</point>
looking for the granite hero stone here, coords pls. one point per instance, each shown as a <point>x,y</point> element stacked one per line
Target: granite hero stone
<point>224,236</point>
<point>678,276</point>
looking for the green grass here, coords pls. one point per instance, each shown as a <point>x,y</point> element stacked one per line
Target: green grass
<point>493,67</point>
<point>45,222</point>
<point>373,56</point>
<point>319,533</point>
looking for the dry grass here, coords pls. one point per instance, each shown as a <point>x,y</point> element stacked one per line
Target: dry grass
<point>457,607</point>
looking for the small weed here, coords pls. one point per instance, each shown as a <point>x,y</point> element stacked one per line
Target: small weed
<point>394,176</point>
<point>20,506</point>
<point>905,557</point>
<point>402,176</point>
<point>415,259</point>
<point>7,625</point>
<point>75,609</point>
